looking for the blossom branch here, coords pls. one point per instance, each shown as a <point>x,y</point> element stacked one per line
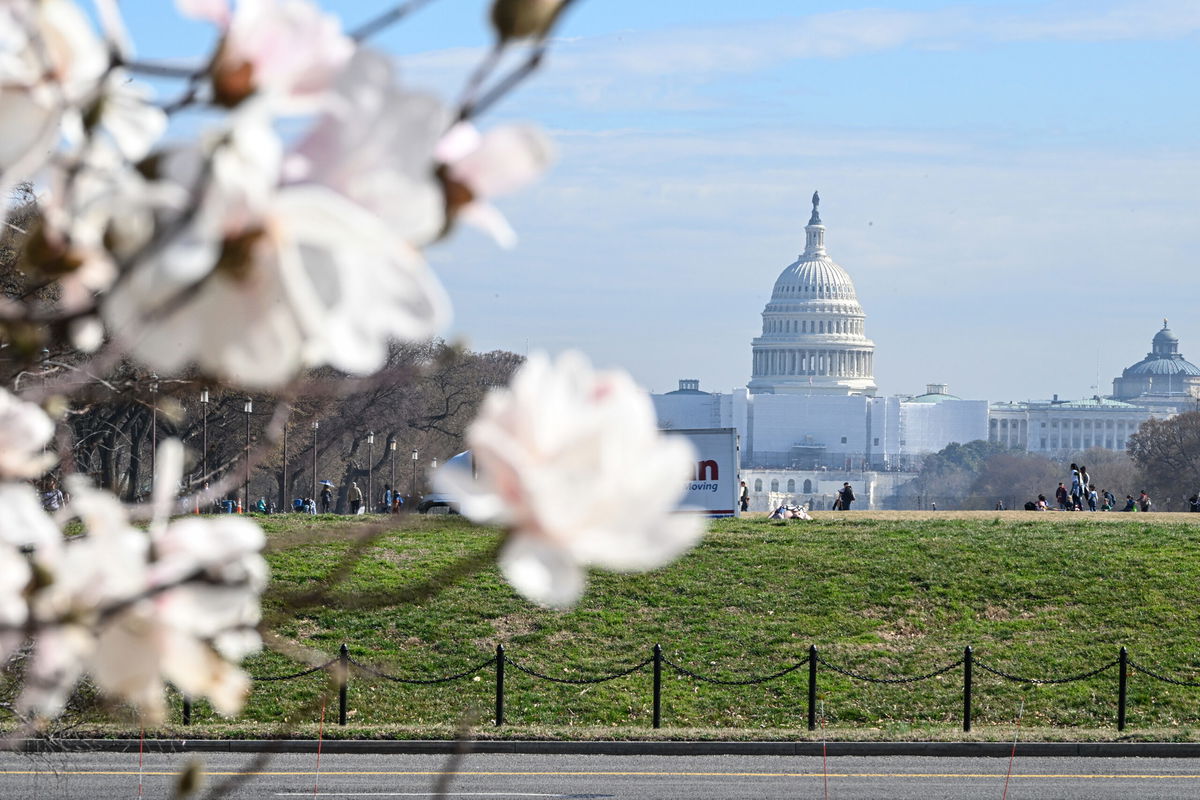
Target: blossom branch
<point>386,19</point>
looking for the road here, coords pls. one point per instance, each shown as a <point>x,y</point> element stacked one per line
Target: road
<point>85,776</point>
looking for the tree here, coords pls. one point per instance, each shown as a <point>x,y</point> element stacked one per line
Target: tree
<point>946,476</point>
<point>1168,453</point>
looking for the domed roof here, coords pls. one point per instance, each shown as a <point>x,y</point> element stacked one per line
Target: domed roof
<point>1156,365</point>
<point>813,277</point>
<point>1165,336</point>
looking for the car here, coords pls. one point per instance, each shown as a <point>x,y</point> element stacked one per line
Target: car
<point>435,500</point>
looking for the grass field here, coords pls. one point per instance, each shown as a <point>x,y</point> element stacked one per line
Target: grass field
<point>886,594</point>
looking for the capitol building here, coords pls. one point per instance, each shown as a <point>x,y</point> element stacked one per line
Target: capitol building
<point>811,416</point>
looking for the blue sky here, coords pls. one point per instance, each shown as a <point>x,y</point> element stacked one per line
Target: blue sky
<point>1012,185</point>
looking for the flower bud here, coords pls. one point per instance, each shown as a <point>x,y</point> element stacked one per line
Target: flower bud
<point>523,19</point>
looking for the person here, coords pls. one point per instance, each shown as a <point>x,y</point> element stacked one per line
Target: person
<point>310,506</point>
<point>397,501</point>
<point>261,505</point>
<point>1110,501</point>
<point>1130,503</point>
<point>1000,505</point>
<point>744,497</point>
<point>326,499</point>
<point>385,500</point>
<point>1041,503</point>
<point>847,496</point>
<point>1076,487</point>
<point>52,498</point>
<point>298,505</point>
<point>933,506</point>
<point>356,497</point>
<point>1060,494</point>
<point>1144,501</point>
<point>1085,480</point>
<point>1092,497</point>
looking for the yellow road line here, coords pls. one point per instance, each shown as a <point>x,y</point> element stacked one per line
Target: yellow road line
<point>427,773</point>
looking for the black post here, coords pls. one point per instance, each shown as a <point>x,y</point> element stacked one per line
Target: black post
<point>499,685</point>
<point>1121,687</point>
<point>343,681</point>
<point>187,710</point>
<point>657,686</point>
<point>968,663</point>
<point>812,687</point>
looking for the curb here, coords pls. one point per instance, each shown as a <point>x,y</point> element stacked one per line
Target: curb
<point>517,747</point>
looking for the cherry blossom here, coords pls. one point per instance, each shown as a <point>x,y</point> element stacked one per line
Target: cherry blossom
<point>287,49</point>
<point>571,461</point>
<point>25,431</point>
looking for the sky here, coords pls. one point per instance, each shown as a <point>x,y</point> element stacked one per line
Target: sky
<point>1014,187</point>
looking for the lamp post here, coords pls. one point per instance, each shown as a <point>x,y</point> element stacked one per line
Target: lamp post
<point>283,468</point>
<point>370,469</point>
<point>412,491</point>
<point>153,426</point>
<point>204,438</point>
<point>248,407</point>
<point>392,447</point>
<point>315,426</point>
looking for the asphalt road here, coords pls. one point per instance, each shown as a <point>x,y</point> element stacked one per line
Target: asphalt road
<point>85,776</point>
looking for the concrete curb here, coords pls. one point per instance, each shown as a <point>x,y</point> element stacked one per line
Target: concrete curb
<point>443,747</point>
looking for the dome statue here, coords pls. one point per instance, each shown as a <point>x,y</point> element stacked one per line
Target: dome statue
<point>813,331</point>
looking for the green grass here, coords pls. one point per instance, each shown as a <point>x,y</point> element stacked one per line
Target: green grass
<point>1041,596</point>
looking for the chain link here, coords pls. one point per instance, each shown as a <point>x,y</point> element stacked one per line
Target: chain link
<point>1159,677</point>
<point>1046,681</point>
<point>722,682</point>
<point>580,681</point>
<point>300,674</point>
<point>912,679</point>
<point>422,681</point>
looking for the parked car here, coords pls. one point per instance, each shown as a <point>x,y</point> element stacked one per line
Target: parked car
<point>434,500</point>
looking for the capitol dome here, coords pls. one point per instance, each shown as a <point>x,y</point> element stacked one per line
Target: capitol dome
<point>1164,371</point>
<point>813,332</point>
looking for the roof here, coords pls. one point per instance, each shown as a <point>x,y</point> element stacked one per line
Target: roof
<point>1158,365</point>
<point>933,397</point>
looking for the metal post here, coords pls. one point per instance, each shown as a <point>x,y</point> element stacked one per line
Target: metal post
<point>657,686</point>
<point>968,664</point>
<point>412,491</point>
<point>204,440</point>
<point>370,471</point>
<point>812,687</point>
<point>153,427</point>
<point>1122,685</point>
<point>248,407</point>
<point>395,488</point>
<point>187,710</point>
<point>283,472</point>
<point>499,685</point>
<point>343,681</point>
<point>315,426</point>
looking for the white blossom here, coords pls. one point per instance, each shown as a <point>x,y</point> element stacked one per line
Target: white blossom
<point>50,62</point>
<point>571,461</point>
<point>135,609</point>
<point>25,431</point>
<point>289,50</point>
<point>264,283</point>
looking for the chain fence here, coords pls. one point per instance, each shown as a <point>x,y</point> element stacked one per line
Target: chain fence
<point>343,666</point>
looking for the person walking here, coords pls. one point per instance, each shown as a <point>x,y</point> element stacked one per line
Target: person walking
<point>1076,488</point>
<point>356,497</point>
<point>326,499</point>
<point>744,497</point>
<point>1092,497</point>
<point>846,495</point>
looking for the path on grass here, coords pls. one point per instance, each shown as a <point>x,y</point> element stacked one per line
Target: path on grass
<point>112,775</point>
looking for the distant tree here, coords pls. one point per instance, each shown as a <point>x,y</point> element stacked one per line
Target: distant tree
<point>946,477</point>
<point>1013,477</point>
<point>1168,453</point>
<point>1111,469</point>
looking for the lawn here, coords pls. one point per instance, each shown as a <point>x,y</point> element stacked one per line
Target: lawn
<point>884,595</point>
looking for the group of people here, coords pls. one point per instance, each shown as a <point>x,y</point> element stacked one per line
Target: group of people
<point>390,501</point>
<point>1083,493</point>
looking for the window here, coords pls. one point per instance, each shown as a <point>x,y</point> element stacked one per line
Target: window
<point>807,485</point>
<point>843,440</point>
<point>876,441</point>
<point>791,484</point>
<point>758,484</point>
<point>775,485</point>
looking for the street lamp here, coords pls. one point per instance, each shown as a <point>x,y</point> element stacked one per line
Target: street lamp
<point>283,468</point>
<point>412,491</point>
<point>248,407</point>
<point>204,438</point>
<point>153,425</point>
<point>370,469</point>
<point>392,447</point>
<point>315,426</point>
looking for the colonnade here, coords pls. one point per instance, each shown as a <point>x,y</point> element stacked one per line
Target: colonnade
<point>807,361</point>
